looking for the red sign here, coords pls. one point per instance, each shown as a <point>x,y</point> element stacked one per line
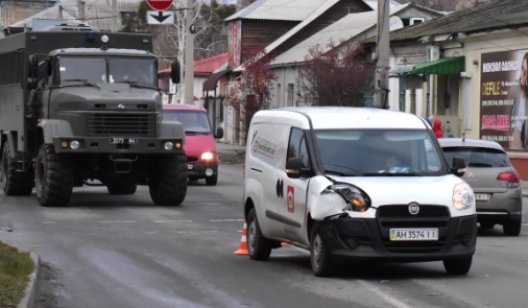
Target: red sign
<point>290,197</point>
<point>159,5</point>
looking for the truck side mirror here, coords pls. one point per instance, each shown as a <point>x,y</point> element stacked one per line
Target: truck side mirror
<point>175,72</point>
<point>459,166</point>
<point>219,133</point>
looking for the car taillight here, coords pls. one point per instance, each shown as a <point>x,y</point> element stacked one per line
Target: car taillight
<point>510,177</point>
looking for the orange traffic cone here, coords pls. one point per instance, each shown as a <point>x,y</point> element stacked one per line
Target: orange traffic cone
<point>242,250</point>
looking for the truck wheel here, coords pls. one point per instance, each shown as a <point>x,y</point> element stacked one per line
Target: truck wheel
<point>121,188</point>
<point>53,177</point>
<point>211,180</point>
<point>259,247</point>
<point>168,180</point>
<point>319,254</point>
<point>512,227</point>
<point>458,266</point>
<point>14,183</point>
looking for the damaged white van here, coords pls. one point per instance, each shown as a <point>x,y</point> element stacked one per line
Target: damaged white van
<point>359,183</point>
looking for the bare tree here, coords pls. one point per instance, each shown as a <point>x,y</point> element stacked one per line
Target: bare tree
<point>336,77</point>
<point>251,92</point>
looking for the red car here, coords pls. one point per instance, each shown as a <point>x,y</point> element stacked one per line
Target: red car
<point>200,143</point>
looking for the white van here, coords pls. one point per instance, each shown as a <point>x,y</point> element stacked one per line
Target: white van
<point>363,183</point>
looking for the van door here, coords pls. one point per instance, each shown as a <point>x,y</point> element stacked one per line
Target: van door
<point>294,206</point>
<point>267,160</point>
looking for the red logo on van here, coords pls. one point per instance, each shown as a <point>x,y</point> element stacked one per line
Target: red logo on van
<point>291,199</point>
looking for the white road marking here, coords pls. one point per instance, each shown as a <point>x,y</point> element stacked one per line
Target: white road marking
<point>117,221</point>
<point>49,222</point>
<point>199,232</point>
<point>167,221</point>
<point>227,220</point>
<point>383,295</point>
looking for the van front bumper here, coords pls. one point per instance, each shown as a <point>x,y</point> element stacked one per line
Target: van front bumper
<point>369,239</point>
<point>200,170</point>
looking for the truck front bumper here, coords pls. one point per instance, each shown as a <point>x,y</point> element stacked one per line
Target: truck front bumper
<point>117,145</point>
<point>369,239</point>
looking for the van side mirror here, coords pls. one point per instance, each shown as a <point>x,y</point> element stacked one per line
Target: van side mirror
<point>459,166</point>
<point>219,133</point>
<point>175,72</point>
<point>294,168</point>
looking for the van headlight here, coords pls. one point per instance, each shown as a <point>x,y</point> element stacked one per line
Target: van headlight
<point>463,197</point>
<point>207,156</point>
<point>355,198</point>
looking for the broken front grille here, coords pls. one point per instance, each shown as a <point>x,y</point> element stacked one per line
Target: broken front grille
<point>122,124</point>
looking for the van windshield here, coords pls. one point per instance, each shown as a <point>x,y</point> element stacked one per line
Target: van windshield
<point>379,152</point>
<point>194,122</point>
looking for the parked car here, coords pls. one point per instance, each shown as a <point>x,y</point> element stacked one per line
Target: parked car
<point>200,143</point>
<point>493,179</point>
<point>360,183</point>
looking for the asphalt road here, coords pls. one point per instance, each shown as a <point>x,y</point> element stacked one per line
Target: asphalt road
<point>123,251</point>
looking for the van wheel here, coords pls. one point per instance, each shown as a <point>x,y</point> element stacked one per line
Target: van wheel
<point>168,180</point>
<point>458,266</point>
<point>14,183</point>
<point>319,254</point>
<point>211,180</point>
<point>53,177</point>
<point>512,227</point>
<point>259,247</point>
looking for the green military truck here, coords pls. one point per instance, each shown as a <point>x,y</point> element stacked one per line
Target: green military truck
<point>82,107</point>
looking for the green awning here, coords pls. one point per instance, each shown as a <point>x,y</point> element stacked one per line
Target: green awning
<point>443,66</point>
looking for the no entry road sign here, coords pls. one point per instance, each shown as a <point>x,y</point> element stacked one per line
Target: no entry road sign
<point>159,5</point>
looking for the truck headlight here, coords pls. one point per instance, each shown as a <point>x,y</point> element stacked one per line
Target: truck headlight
<point>207,156</point>
<point>355,198</point>
<point>75,145</point>
<point>168,145</point>
<point>463,197</point>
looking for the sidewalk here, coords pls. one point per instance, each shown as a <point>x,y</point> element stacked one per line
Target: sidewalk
<point>231,153</point>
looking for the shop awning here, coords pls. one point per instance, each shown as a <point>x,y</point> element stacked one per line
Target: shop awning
<point>210,83</point>
<point>443,66</point>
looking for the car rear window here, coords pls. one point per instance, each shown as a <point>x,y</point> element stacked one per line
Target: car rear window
<point>478,157</point>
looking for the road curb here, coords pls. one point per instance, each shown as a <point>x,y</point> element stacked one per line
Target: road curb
<point>28,301</point>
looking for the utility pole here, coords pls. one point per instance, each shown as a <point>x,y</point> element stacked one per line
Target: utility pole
<point>381,84</point>
<point>188,95</point>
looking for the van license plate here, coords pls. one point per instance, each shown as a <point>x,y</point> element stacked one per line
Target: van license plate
<point>482,197</point>
<point>120,140</point>
<point>422,234</point>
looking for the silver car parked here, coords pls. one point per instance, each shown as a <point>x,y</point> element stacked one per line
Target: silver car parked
<point>493,179</point>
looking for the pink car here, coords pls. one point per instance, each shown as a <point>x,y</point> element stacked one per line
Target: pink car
<point>200,144</point>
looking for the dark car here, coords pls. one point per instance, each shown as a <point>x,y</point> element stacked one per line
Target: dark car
<point>493,179</point>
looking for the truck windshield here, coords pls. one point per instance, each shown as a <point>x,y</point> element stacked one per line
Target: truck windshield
<point>379,152</point>
<point>194,122</point>
<point>132,70</point>
<point>84,69</point>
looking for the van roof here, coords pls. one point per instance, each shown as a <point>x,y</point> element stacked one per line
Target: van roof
<point>183,107</point>
<point>348,117</point>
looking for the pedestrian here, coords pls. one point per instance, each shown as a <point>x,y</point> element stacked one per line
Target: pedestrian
<point>437,127</point>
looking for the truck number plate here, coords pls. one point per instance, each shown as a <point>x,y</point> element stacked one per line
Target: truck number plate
<point>422,234</point>
<point>120,140</point>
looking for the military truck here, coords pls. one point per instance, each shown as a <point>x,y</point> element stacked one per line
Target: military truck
<point>82,107</point>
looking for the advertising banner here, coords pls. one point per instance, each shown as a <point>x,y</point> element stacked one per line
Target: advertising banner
<point>504,88</point>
